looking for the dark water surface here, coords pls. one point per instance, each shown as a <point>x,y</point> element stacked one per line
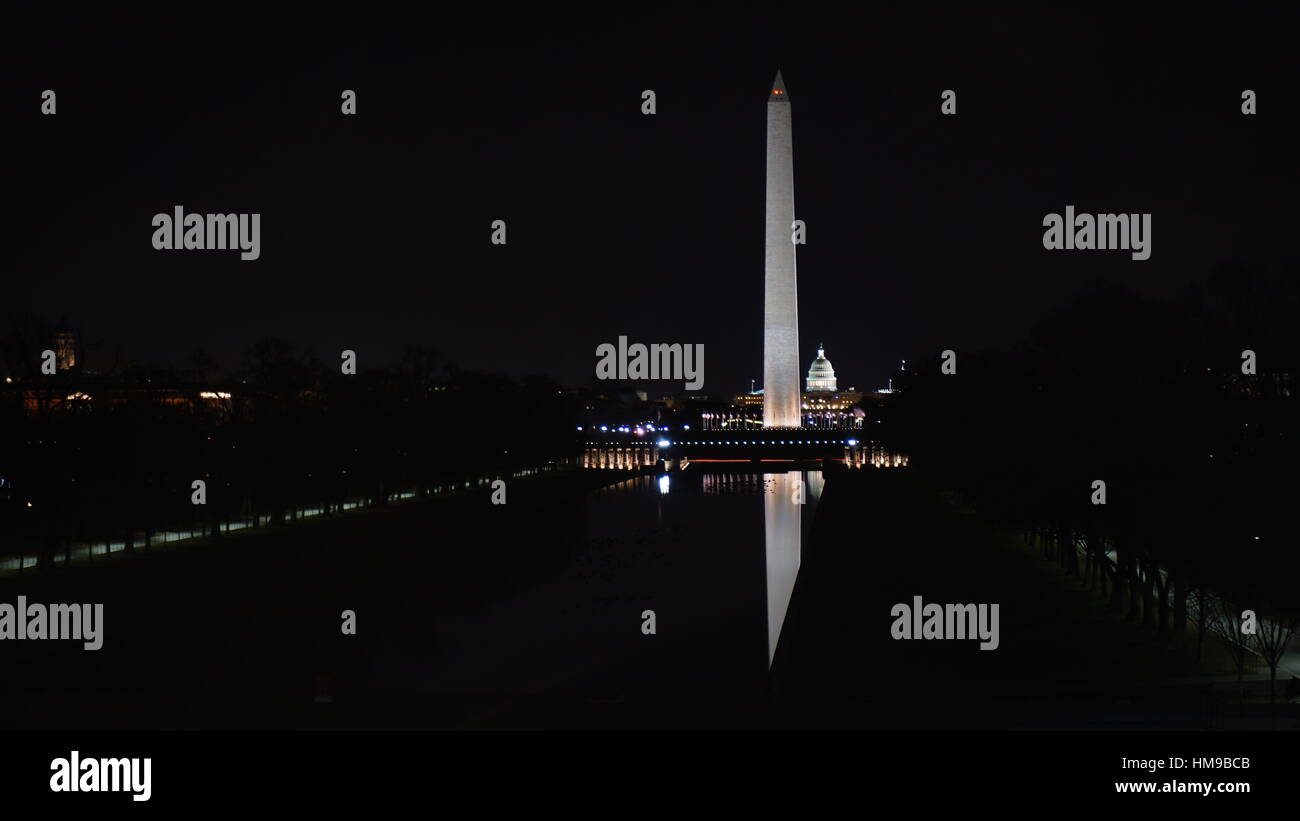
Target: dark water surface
<point>467,613</point>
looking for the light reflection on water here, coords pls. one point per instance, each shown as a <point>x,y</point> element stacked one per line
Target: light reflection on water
<point>697,515</point>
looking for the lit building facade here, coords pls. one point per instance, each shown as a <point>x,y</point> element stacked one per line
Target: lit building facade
<point>821,405</point>
<point>821,376</point>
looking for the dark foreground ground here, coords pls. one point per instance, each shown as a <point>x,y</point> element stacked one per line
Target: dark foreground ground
<point>527,615</point>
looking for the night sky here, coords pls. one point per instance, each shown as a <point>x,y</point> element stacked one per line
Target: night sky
<point>924,231</point>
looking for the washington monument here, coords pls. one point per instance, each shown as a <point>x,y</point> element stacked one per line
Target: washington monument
<point>780,289</point>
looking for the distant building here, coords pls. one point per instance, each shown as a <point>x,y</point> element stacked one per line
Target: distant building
<point>821,376</point>
<point>821,405</point>
<point>107,392</point>
<point>65,350</point>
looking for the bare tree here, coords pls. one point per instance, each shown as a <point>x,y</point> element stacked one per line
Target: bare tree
<point>1226,618</point>
<point>1272,634</point>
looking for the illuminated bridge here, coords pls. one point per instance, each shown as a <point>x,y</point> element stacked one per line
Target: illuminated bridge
<point>765,447</point>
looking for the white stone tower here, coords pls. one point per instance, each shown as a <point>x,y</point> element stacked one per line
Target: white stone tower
<point>780,297</point>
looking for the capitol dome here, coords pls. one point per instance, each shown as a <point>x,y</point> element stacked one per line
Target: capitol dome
<point>821,376</point>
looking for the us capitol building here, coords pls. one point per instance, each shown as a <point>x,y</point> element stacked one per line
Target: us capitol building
<point>822,404</point>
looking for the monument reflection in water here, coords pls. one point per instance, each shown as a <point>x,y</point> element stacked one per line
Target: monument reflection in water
<point>789,501</point>
<point>787,497</point>
<point>713,553</point>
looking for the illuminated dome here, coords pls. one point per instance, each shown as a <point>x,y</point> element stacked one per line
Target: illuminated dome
<point>821,376</point>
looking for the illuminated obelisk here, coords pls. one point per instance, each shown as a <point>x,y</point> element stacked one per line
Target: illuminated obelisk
<point>780,297</point>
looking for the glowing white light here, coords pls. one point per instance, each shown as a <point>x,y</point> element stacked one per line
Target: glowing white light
<point>663,443</point>
<point>852,442</point>
<point>664,482</point>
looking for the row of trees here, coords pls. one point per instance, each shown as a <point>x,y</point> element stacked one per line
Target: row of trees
<point>293,432</point>
<point>1197,458</point>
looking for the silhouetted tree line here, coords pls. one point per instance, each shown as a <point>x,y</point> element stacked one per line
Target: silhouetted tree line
<point>294,432</point>
<point>1198,459</point>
